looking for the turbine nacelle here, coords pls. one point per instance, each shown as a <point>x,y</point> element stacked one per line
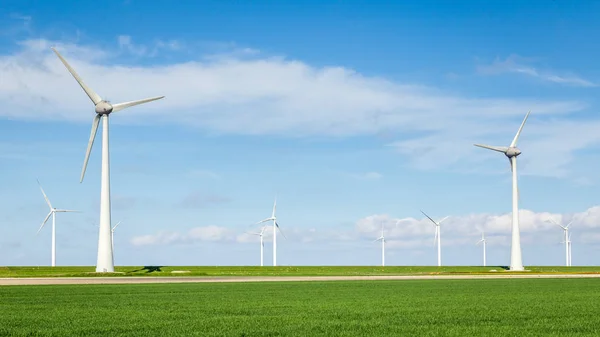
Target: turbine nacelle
<point>104,108</point>
<point>512,152</point>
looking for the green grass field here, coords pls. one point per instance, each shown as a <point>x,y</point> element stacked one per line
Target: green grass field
<point>507,307</point>
<point>273,271</point>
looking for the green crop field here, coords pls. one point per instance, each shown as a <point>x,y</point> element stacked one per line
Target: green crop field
<point>273,271</point>
<point>507,307</point>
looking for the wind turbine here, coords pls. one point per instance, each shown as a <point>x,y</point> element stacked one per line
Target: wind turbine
<point>112,235</point>
<point>382,238</point>
<point>516,259</point>
<point>262,245</point>
<point>567,240</point>
<point>482,241</point>
<point>437,237</point>
<point>275,228</point>
<point>52,213</point>
<point>103,109</point>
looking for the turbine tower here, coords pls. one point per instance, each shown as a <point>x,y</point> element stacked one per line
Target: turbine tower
<point>482,241</point>
<point>52,213</point>
<point>567,240</point>
<point>103,109</point>
<point>516,259</point>
<point>275,228</point>
<point>382,238</point>
<point>262,245</point>
<point>437,237</point>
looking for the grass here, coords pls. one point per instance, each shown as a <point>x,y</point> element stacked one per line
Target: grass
<point>272,271</point>
<point>507,307</point>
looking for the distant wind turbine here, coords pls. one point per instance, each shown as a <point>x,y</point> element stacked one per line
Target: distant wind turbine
<point>262,245</point>
<point>112,236</point>
<point>52,213</point>
<point>103,108</point>
<point>437,237</point>
<point>483,241</point>
<point>382,239</point>
<point>275,228</point>
<point>567,240</point>
<point>511,152</point>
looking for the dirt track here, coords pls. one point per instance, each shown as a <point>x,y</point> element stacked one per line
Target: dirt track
<point>205,279</point>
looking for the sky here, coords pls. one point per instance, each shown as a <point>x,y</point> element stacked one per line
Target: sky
<point>354,114</point>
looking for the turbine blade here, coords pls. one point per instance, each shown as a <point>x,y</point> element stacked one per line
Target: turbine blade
<point>274,208</point>
<point>91,94</point>
<point>67,211</point>
<point>514,142</point>
<point>265,220</point>
<point>279,228</point>
<point>45,197</point>
<point>125,105</point>
<point>117,225</point>
<point>435,223</point>
<point>502,149</point>
<point>569,224</point>
<point>43,223</point>
<point>439,222</point>
<point>435,236</point>
<point>511,164</point>
<point>95,124</point>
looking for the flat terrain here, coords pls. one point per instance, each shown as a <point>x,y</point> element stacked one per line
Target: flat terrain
<point>489,307</point>
<point>184,271</point>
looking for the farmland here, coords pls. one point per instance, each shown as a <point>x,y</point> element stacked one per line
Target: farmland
<point>88,271</point>
<point>557,307</point>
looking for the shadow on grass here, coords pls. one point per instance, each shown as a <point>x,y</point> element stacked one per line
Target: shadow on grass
<point>148,269</point>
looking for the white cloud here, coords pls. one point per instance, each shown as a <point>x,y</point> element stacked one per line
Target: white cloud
<point>207,233</point>
<point>126,43</point>
<point>407,233</point>
<point>516,64</point>
<point>234,94</point>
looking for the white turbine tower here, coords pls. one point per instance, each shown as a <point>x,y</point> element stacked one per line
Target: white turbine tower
<point>516,259</point>
<point>103,110</point>
<point>275,228</point>
<point>482,241</point>
<point>567,240</point>
<point>382,238</point>
<point>437,237</point>
<point>52,213</point>
<point>262,245</point>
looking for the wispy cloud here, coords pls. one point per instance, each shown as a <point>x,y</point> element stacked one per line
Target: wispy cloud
<point>518,65</point>
<point>366,176</point>
<point>267,95</point>
<point>201,200</point>
<point>126,44</point>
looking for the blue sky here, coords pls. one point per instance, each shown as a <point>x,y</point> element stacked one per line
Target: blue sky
<point>355,114</point>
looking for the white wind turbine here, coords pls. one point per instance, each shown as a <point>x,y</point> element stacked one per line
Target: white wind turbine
<point>103,110</point>
<point>516,259</point>
<point>275,228</point>
<point>52,213</point>
<point>437,237</point>
<point>567,240</point>
<point>262,245</point>
<point>112,236</point>
<point>382,238</point>
<point>483,241</point>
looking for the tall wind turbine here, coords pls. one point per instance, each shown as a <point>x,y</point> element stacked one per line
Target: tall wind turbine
<point>112,235</point>
<point>262,245</point>
<point>103,109</point>
<point>382,238</point>
<point>275,228</point>
<point>516,259</point>
<point>52,213</point>
<point>437,237</point>
<point>483,242</point>
<point>570,254</point>
<point>567,240</point>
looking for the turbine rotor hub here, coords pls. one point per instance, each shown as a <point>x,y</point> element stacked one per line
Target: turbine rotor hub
<point>104,108</point>
<point>512,152</point>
